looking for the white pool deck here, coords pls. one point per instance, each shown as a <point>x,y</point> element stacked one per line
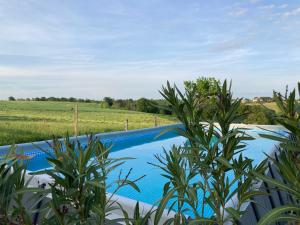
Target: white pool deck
<point>127,203</point>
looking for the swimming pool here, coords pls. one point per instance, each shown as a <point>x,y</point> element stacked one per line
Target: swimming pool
<point>143,148</point>
<point>152,184</point>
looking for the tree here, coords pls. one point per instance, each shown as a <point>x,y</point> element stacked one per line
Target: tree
<point>109,101</point>
<point>72,99</point>
<point>11,98</point>
<point>146,105</point>
<point>205,89</point>
<point>205,86</point>
<point>120,104</point>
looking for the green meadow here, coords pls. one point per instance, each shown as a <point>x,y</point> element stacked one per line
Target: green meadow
<point>27,121</point>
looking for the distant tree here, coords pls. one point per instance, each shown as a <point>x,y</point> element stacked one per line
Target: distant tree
<point>104,104</point>
<point>71,99</point>
<point>130,104</point>
<point>120,103</point>
<point>266,99</point>
<point>205,86</point>
<point>109,101</point>
<point>141,105</point>
<point>163,106</point>
<point>165,111</point>
<point>145,105</point>
<point>52,99</point>
<point>11,98</point>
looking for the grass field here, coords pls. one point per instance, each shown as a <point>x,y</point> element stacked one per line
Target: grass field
<point>22,121</point>
<point>270,105</point>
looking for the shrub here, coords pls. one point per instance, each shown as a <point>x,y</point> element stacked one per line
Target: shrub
<point>109,101</point>
<point>145,105</point>
<point>203,166</point>
<point>11,98</point>
<point>13,186</point>
<point>288,161</point>
<point>80,182</point>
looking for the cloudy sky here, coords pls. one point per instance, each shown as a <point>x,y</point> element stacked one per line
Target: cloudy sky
<point>129,48</point>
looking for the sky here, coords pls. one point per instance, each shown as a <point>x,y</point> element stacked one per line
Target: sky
<point>130,48</point>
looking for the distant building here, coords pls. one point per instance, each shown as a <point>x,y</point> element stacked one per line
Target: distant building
<point>256,99</point>
<point>262,99</point>
<point>266,99</point>
<point>245,100</point>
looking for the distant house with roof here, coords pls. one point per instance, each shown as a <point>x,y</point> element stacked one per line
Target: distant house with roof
<point>246,100</point>
<point>262,99</point>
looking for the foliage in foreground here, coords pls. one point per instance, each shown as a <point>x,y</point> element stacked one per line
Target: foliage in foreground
<point>79,190</point>
<point>288,161</point>
<point>13,186</point>
<point>214,154</point>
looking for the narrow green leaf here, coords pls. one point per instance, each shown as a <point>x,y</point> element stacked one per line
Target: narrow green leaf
<point>277,213</point>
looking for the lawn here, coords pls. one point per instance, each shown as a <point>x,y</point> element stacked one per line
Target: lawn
<point>24,121</point>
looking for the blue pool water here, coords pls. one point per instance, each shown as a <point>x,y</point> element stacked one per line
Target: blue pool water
<point>152,185</point>
<point>143,150</point>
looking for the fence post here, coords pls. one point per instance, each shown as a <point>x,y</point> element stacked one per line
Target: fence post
<point>126,125</point>
<point>155,121</point>
<point>76,120</point>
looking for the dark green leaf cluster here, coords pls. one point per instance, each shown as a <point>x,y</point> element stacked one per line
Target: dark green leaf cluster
<point>287,162</point>
<point>13,186</point>
<point>203,167</point>
<point>78,189</point>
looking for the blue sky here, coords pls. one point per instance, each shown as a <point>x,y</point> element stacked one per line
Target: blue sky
<point>129,48</point>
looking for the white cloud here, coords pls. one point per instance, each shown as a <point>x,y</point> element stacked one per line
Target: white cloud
<point>239,12</point>
<point>268,7</point>
<point>129,48</point>
<point>294,12</point>
<point>283,6</point>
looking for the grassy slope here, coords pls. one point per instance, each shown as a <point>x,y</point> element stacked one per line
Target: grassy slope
<point>32,121</point>
<point>270,105</point>
<point>273,106</point>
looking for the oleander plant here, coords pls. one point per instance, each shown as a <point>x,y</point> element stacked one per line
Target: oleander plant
<point>78,186</point>
<point>213,153</point>
<point>79,191</point>
<point>13,187</point>
<point>288,161</point>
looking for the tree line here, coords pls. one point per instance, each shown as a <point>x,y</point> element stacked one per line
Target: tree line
<point>157,106</point>
<point>55,99</point>
<point>204,87</point>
